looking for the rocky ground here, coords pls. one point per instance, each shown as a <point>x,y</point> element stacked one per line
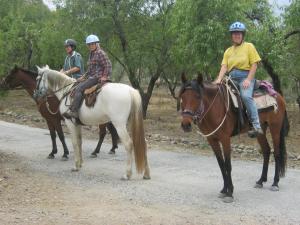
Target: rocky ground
<point>183,189</point>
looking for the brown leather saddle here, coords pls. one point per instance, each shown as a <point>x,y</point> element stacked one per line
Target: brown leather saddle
<point>90,94</point>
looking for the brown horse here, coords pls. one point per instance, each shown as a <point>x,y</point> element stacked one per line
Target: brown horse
<point>48,108</point>
<point>208,106</point>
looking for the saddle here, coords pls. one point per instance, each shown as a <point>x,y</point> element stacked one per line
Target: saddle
<point>90,94</point>
<point>263,99</point>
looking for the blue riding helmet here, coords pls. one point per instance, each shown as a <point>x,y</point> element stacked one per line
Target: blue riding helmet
<point>237,26</point>
<point>92,39</point>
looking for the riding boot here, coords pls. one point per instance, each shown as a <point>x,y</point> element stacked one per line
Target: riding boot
<point>254,132</point>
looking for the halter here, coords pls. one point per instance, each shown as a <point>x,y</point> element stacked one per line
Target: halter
<point>39,92</point>
<point>200,113</point>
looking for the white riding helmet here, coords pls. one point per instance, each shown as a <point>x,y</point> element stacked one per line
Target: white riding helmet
<point>92,39</point>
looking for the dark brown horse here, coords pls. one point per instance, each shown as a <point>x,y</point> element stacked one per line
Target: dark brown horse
<point>48,107</point>
<point>209,107</point>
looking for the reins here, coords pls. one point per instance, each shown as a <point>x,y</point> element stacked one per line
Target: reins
<point>199,115</point>
<point>225,116</point>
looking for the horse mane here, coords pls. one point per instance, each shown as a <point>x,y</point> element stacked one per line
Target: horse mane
<point>31,73</point>
<point>55,77</point>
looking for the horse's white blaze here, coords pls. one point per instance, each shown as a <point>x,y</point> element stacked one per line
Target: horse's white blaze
<point>116,103</point>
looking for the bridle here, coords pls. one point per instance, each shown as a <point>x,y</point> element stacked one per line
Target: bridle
<point>38,92</point>
<point>199,115</point>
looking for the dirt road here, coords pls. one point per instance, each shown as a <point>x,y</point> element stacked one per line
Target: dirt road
<point>183,188</point>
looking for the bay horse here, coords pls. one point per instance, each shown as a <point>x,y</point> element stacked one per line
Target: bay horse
<point>208,105</point>
<point>116,103</point>
<point>48,108</point>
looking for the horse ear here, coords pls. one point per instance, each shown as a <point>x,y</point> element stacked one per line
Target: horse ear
<point>200,79</point>
<point>183,78</point>
<point>38,68</point>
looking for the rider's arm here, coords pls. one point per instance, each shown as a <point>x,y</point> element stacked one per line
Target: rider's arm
<point>222,72</point>
<point>72,70</point>
<point>105,66</point>
<point>252,71</point>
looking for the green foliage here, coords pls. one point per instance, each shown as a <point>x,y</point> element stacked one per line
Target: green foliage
<point>20,22</point>
<point>148,38</point>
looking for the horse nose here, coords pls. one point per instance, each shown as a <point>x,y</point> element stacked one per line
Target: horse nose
<point>187,127</point>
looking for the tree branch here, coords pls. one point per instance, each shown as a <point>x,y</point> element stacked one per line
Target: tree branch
<point>297,31</point>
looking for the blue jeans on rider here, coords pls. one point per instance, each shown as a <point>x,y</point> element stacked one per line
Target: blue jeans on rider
<point>79,90</point>
<point>238,76</point>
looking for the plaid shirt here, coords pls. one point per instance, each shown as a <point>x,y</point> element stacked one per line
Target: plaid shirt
<point>99,65</point>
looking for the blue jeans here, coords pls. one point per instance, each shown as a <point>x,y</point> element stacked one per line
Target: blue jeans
<point>246,94</point>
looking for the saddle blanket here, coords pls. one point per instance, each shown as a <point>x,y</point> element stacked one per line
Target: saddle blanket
<point>263,101</point>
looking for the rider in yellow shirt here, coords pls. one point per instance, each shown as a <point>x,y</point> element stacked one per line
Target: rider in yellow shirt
<point>241,60</point>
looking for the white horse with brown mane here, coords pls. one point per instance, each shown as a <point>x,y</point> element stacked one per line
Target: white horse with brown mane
<point>116,103</point>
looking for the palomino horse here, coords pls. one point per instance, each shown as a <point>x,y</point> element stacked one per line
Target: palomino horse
<point>48,107</point>
<point>116,103</point>
<point>208,105</point>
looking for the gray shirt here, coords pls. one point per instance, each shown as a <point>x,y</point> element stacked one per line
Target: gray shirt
<point>74,60</point>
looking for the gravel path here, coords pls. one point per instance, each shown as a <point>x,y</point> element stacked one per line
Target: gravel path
<point>183,188</point>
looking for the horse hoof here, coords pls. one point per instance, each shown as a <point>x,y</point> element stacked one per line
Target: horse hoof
<point>74,170</point>
<point>93,155</point>
<point>50,156</point>
<point>221,195</point>
<point>112,152</point>
<point>64,158</point>
<point>146,177</point>
<point>125,177</point>
<point>274,188</point>
<point>228,199</point>
<point>258,185</point>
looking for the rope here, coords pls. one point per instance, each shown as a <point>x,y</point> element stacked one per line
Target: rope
<point>225,116</point>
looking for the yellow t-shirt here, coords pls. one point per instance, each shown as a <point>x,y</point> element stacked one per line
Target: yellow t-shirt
<point>240,57</point>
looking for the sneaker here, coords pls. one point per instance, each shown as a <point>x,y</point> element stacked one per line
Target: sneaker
<point>254,132</point>
<point>71,114</point>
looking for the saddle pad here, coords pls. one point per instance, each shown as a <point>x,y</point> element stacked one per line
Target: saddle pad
<point>266,101</point>
<point>261,101</point>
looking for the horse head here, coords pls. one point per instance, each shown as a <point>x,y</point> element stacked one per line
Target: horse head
<point>10,81</point>
<point>42,82</point>
<point>190,96</point>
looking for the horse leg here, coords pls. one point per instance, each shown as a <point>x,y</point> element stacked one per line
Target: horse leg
<point>263,142</point>
<point>146,175</point>
<point>102,133</point>
<point>227,156</point>
<point>76,141</point>
<point>214,143</point>
<point>279,161</point>
<point>53,139</point>
<point>114,137</point>
<point>127,142</point>
<point>61,136</point>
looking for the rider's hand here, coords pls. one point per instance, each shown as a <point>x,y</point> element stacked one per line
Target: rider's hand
<point>103,79</point>
<point>217,81</point>
<point>246,83</point>
<point>80,79</point>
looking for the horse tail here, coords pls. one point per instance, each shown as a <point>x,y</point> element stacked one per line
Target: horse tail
<point>137,131</point>
<point>282,148</point>
<point>286,124</point>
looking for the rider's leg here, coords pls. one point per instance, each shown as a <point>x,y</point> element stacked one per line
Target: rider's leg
<point>79,94</point>
<point>247,98</point>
